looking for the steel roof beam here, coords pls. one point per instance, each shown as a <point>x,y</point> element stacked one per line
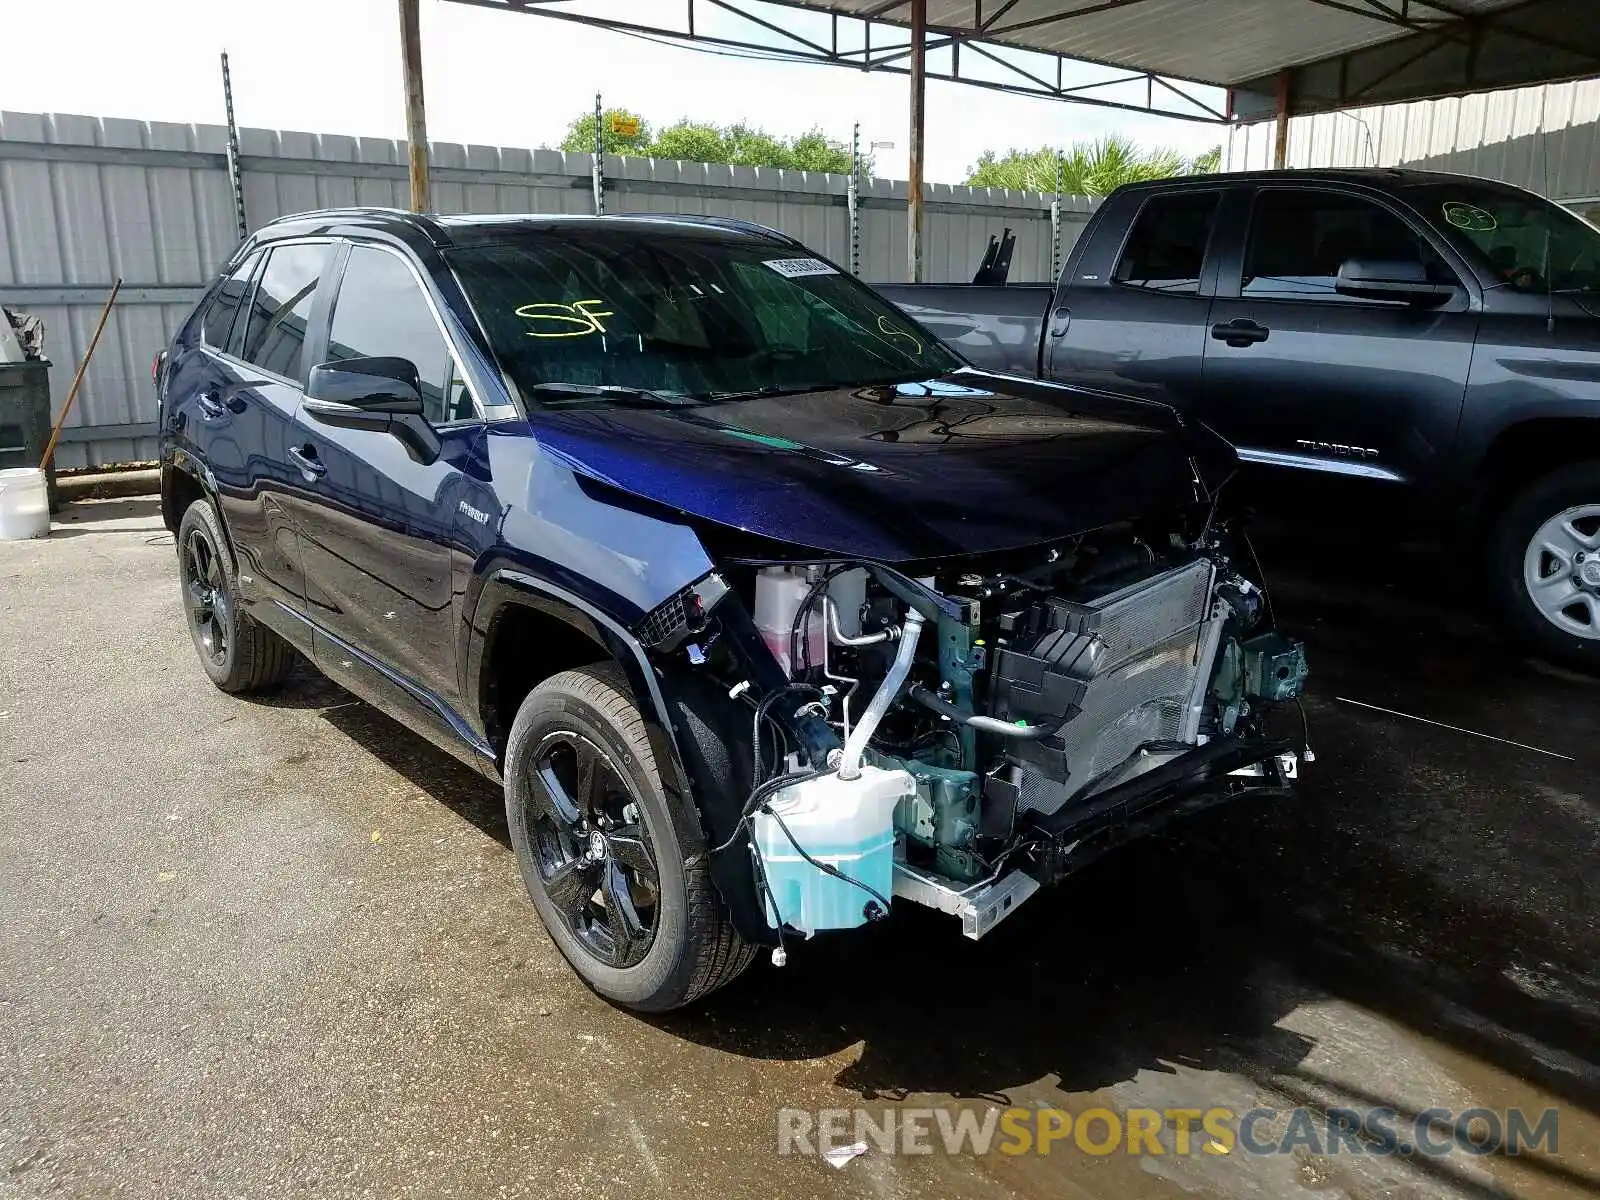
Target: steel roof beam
<point>1531,42</point>
<point>796,48</point>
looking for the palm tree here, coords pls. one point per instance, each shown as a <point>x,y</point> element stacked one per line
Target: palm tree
<point>1087,169</point>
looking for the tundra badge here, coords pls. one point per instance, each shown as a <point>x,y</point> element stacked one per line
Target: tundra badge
<point>1337,449</point>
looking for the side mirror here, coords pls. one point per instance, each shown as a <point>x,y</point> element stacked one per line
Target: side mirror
<point>381,395</point>
<point>1390,279</point>
<point>375,385</point>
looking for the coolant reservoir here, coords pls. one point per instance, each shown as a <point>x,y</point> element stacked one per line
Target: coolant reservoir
<point>848,824</point>
<point>779,593</point>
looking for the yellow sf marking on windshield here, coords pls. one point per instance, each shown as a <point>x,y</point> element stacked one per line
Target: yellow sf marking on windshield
<point>582,315</point>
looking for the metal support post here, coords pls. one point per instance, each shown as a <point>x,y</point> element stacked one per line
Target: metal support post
<point>1280,146</point>
<point>853,200</point>
<point>1055,225</point>
<point>416,111</point>
<point>919,88</point>
<point>235,184</point>
<point>598,173</point>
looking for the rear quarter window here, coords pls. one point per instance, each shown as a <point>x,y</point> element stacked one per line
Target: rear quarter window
<point>220,311</point>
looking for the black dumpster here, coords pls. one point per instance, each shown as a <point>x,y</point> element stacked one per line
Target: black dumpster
<point>25,416</point>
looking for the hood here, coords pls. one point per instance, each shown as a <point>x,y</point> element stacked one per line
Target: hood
<point>963,464</point>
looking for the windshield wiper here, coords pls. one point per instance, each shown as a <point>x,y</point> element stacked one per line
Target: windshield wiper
<point>805,388</point>
<point>784,389</point>
<point>609,391</point>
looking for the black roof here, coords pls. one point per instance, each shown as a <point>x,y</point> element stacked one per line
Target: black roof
<point>1383,178</point>
<point>436,231</point>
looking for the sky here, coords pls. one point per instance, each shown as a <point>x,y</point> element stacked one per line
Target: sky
<point>498,78</point>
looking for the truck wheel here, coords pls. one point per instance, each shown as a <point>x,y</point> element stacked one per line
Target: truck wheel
<point>1545,565</point>
<point>238,653</point>
<point>615,864</point>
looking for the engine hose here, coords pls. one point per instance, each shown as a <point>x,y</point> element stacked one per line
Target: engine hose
<point>888,691</point>
<point>1021,733</point>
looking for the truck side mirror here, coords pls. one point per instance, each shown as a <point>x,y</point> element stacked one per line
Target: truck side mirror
<point>1390,279</point>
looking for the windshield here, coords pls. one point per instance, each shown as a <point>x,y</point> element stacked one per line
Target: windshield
<point>1529,243</point>
<point>681,316</point>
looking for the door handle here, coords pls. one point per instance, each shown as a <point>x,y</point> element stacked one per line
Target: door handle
<point>1240,332</point>
<point>305,457</point>
<point>210,407</point>
<point>1060,318</point>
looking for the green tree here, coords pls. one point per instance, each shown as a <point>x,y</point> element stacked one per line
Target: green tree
<point>703,141</point>
<point>814,152</point>
<point>693,142</point>
<point>1086,169</point>
<point>757,148</point>
<point>580,134</point>
<point>1208,163</point>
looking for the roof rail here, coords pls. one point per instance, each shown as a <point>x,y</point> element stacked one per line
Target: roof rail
<point>738,223</point>
<point>423,220</point>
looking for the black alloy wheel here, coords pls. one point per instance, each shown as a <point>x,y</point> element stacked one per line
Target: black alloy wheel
<point>237,652</point>
<point>205,594</point>
<point>614,856</point>
<point>595,859</point>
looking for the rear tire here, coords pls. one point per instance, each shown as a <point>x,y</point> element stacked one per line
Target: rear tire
<point>1544,565</point>
<point>237,652</point>
<point>615,862</point>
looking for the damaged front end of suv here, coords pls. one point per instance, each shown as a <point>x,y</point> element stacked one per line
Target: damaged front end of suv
<point>902,629</point>
<point>957,733</point>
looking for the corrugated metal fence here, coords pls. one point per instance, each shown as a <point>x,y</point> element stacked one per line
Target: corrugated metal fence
<point>1546,139</point>
<point>83,200</point>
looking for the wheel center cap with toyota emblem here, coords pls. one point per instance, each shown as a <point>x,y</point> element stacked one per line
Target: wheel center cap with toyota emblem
<point>597,845</point>
<point>1589,572</point>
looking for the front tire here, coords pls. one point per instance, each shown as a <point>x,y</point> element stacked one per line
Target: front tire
<point>237,653</point>
<point>615,862</point>
<point>1545,565</point>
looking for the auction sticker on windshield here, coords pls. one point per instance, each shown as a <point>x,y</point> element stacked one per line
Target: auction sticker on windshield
<point>796,268</point>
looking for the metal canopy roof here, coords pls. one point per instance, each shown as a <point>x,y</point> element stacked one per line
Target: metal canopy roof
<point>1330,53</point>
<point>1274,57</point>
<point>1310,55</point>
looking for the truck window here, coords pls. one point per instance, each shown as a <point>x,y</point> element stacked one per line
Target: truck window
<point>1298,239</point>
<point>1167,246</point>
<point>1528,243</point>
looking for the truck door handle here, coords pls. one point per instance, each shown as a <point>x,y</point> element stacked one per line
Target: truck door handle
<point>1060,318</point>
<point>1240,332</point>
<point>305,457</point>
<point>210,407</point>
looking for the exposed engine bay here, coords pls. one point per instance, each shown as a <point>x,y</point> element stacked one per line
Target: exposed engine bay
<point>960,737</point>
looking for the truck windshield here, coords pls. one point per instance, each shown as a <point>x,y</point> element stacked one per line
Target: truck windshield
<point>1529,243</point>
<point>675,315</point>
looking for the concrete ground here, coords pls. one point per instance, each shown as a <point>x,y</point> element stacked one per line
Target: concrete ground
<point>280,948</point>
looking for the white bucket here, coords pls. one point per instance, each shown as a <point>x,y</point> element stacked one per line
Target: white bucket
<point>24,504</point>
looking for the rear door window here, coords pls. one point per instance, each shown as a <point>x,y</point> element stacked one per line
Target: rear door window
<point>381,312</point>
<point>216,323</point>
<point>280,311</point>
<point>1166,249</point>
<point>1299,239</point>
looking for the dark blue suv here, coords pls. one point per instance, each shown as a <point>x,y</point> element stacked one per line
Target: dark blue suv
<point>763,605</point>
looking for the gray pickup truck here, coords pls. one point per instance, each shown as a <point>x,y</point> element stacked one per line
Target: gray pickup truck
<point>1430,339</point>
